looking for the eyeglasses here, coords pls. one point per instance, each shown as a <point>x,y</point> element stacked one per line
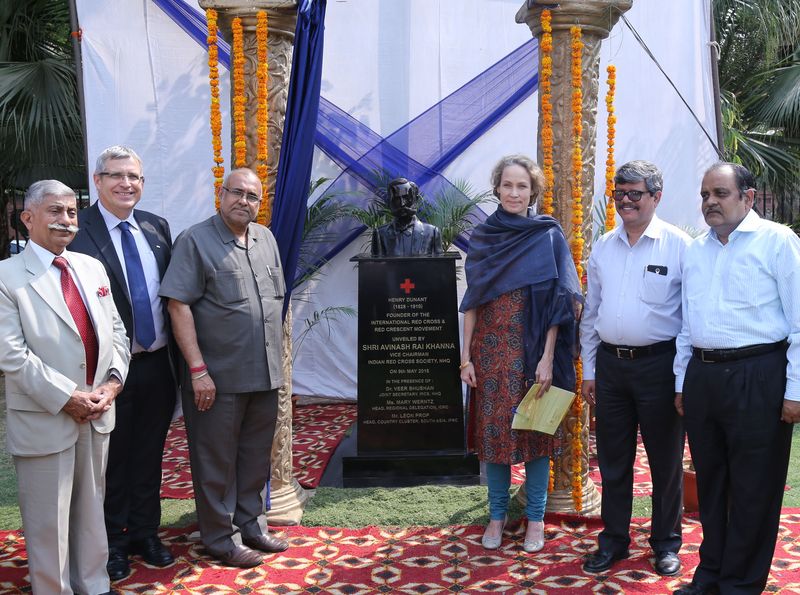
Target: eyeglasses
<point>119,176</point>
<point>634,195</point>
<point>240,194</point>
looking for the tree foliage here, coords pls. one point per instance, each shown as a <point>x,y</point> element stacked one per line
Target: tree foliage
<point>759,71</point>
<point>40,126</point>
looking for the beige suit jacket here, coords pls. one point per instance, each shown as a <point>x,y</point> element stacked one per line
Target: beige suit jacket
<point>42,353</point>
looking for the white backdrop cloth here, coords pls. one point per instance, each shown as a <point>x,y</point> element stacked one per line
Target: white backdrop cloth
<point>386,61</point>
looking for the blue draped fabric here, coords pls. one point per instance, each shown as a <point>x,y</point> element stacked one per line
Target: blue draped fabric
<point>423,147</point>
<point>420,150</point>
<point>297,146</point>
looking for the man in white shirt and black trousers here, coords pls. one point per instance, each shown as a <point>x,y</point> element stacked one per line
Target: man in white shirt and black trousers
<point>631,319</point>
<point>738,379</point>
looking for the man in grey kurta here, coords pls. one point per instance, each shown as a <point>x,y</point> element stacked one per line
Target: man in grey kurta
<point>226,288</point>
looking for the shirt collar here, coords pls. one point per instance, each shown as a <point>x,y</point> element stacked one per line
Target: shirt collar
<point>653,230</point>
<point>751,222</point>
<point>112,220</point>
<point>225,234</point>
<point>45,256</point>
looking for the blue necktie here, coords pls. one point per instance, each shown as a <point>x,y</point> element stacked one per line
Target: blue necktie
<point>143,328</point>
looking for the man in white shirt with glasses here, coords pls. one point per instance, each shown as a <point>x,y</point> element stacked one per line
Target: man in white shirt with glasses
<point>631,319</point>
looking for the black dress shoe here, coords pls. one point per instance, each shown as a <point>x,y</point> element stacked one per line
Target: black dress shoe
<point>695,589</point>
<point>602,560</point>
<point>667,563</point>
<point>266,543</point>
<point>117,566</point>
<point>152,551</point>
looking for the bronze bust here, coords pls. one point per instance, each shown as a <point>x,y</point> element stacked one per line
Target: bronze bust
<point>405,235</point>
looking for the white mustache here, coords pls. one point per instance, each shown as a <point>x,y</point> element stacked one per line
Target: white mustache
<point>59,227</point>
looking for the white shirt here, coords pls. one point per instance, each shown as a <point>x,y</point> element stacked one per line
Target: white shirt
<point>53,271</point>
<point>745,292</point>
<point>633,292</point>
<point>150,267</point>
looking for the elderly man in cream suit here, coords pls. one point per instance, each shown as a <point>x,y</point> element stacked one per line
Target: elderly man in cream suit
<point>65,355</point>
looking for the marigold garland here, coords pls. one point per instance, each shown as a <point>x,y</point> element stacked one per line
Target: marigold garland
<point>576,246</point>
<point>545,94</point>
<point>215,116</point>
<point>577,152</point>
<point>239,100</point>
<point>577,440</point>
<point>546,138</point>
<point>612,131</point>
<point>262,77</point>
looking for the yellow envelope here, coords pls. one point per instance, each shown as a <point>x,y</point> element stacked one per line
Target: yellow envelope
<point>543,414</point>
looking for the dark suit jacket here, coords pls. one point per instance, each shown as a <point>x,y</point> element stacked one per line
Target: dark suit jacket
<point>422,239</point>
<point>93,239</point>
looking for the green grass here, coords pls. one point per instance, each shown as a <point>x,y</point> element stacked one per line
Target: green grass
<point>791,498</point>
<point>431,506</point>
<point>434,506</point>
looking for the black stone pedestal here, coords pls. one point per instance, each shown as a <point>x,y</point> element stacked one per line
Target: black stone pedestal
<point>403,470</point>
<point>410,407</point>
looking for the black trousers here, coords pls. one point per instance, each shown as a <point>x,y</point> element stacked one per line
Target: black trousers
<point>740,448</point>
<point>133,476</point>
<point>631,396</point>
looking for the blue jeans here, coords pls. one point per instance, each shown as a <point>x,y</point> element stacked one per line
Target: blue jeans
<point>537,476</point>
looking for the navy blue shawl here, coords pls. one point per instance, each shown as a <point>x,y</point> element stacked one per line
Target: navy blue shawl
<point>509,252</point>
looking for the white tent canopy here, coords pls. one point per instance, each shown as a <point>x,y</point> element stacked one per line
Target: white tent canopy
<point>387,61</point>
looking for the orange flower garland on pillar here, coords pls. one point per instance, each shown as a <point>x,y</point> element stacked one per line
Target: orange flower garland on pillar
<point>577,153</point>
<point>262,77</point>
<point>610,165</point>
<point>576,246</point>
<point>546,132</point>
<point>239,99</point>
<point>215,115</point>
<point>546,138</point>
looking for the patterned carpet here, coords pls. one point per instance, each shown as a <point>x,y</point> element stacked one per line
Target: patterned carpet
<point>419,560</point>
<point>317,429</point>
<point>414,560</point>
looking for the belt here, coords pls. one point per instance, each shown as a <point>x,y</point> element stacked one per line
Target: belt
<point>713,356</point>
<point>628,352</point>
<point>141,354</point>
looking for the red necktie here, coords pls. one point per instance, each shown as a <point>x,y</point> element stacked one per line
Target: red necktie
<point>81,317</point>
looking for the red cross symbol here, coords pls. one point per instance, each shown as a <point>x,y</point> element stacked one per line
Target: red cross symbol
<point>407,286</point>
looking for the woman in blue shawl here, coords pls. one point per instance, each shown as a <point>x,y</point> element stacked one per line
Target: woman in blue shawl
<point>519,328</point>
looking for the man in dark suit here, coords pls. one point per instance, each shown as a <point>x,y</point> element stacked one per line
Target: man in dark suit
<point>134,246</point>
